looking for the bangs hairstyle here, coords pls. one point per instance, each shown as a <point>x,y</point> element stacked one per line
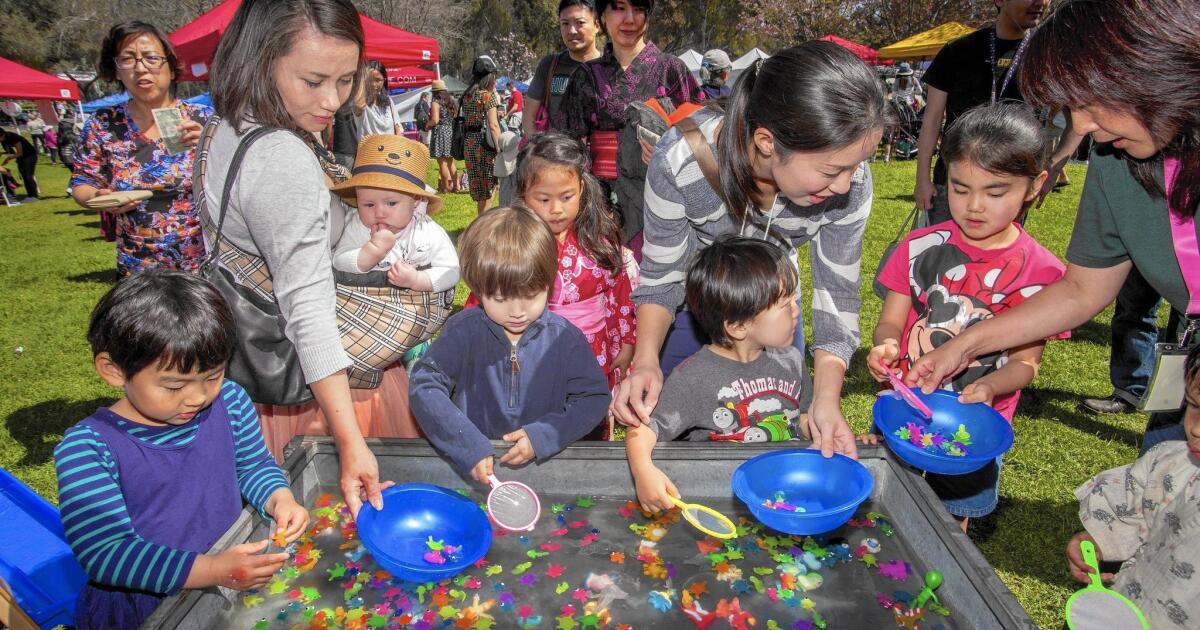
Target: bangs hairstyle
<point>1140,57</point>
<point>177,321</point>
<point>508,252</point>
<point>1000,138</point>
<point>262,32</point>
<point>106,67</point>
<point>647,6</point>
<point>735,279</point>
<point>813,97</point>
<point>595,227</point>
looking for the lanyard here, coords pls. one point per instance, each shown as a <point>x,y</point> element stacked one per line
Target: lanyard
<point>1183,236</point>
<point>1012,67</point>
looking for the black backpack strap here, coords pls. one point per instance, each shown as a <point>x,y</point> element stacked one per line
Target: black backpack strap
<point>230,176</point>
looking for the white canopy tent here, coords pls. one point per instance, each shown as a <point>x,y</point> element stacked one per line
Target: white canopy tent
<point>692,60</point>
<point>745,61</point>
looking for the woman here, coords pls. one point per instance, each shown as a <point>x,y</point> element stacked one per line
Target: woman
<point>631,70</point>
<point>1127,211</point>
<point>376,114</point>
<point>290,66</point>
<point>441,136</point>
<point>122,149</point>
<point>791,151</point>
<point>480,109</point>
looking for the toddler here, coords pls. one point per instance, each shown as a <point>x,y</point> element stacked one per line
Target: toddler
<point>147,485</point>
<point>510,370</point>
<point>392,230</point>
<point>944,278</point>
<point>750,384</point>
<point>1142,514</point>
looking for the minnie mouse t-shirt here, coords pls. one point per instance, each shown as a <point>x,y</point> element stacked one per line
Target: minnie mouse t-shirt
<point>953,285</point>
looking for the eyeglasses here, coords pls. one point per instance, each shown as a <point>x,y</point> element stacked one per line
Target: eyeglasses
<point>151,62</point>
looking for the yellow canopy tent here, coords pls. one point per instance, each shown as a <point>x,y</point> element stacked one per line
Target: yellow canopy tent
<point>925,44</point>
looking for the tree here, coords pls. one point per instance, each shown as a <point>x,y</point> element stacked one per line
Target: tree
<point>884,22</point>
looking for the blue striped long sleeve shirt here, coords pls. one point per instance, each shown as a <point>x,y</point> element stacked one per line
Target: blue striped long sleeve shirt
<point>98,526</point>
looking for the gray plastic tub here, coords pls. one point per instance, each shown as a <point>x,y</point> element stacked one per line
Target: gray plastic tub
<point>926,536</point>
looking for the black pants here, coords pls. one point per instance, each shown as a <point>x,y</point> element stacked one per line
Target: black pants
<point>26,165</point>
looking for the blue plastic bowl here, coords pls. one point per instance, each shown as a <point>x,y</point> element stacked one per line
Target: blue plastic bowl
<point>829,489</point>
<point>991,434</point>
<point>412,513</point>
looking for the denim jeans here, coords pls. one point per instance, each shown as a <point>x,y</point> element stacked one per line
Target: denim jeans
<point>1134,333</point>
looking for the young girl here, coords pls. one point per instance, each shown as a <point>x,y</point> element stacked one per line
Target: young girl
<point>595,274</point>
<point>949,276</point>
<point>1144,515</point>
<point>147,485</point>
<point>392,230</point>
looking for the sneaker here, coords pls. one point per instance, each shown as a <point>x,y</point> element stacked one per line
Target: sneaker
<point>1105,406</point>
<point>29,199</point>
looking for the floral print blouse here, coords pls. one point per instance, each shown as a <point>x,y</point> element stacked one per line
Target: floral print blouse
<point>163,231</point>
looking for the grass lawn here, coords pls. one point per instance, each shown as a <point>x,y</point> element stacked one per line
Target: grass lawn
<point>54,266</point>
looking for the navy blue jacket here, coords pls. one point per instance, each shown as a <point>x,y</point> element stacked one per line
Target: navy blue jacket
<point>468,389</point>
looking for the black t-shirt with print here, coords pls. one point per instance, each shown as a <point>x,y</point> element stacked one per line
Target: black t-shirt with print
<point>558,84</point>
<point>963,70</point>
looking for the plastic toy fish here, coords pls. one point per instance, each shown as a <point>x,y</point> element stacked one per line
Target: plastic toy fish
<point>661,600</point>
<point>895,569</point>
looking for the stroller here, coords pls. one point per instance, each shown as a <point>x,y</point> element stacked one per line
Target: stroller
<point>901,139</point>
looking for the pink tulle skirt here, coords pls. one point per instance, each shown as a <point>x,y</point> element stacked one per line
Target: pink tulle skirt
<point>381,412</point>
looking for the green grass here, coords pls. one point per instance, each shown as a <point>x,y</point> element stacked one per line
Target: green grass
<point>54,266</point>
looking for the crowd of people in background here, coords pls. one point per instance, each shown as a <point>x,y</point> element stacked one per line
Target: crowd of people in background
<point>643,256</point>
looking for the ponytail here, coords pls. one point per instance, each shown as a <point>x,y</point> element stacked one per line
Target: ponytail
<point>815,97</point>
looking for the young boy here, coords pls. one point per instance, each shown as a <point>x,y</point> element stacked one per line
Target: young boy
<point>750,384</point>
<point>147,486</point>
<point>1145,515</point>
<point>511,370</point>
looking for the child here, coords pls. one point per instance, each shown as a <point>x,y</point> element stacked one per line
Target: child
<point>1143,513</point>
<point>511,370</point>
<point>750,384</point>
<point>595,274</point>
<point>51,140</point>
<point>146,486</point>
<point>943,278</point>
<point>392,230</point>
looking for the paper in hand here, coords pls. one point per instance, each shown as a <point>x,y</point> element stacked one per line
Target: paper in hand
<point>169,120</point>
<point>648,136</point>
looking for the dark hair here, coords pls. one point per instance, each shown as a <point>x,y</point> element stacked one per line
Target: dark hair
<point>646,6</point>
<point>812,97</point>
<point>1148,66</point>
<point>508,252</point>
<point>381,99</point>
<point>262,32</point>
<point>1191,371</point>
<point>563,5</point>
<point>595,227</point>
<point>735,279</point>
<point>175,320</point>
<point>1002,138</point>
<point>106,67</point>
<point>447,104</point>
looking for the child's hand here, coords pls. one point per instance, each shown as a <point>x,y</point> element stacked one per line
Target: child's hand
<point>243,568</point>
<point>1079,569</point>
<point>482,471</point>
<point>402,275</point>
<point>979,391</point>
<point>887,353</point>
<point>654,489</point>
<point>290,517</point>
<point>382,238</point>
<point>522,450</point>
<point>870,438</point>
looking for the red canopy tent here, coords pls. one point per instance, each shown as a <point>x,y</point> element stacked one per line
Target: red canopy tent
<point>409,77</point>
<point>196,42</point>
<point>17,81</point>
<point>866,53</point>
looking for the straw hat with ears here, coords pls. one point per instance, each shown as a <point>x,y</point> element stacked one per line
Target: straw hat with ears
<point>390,162</point>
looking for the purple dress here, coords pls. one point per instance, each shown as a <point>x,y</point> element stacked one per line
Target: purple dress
<point>182,497</point>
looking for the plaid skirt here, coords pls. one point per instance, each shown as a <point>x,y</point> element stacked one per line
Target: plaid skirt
<point>480,161</point>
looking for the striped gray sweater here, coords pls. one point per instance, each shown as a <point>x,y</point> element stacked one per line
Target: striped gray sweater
<point>684,214</point>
